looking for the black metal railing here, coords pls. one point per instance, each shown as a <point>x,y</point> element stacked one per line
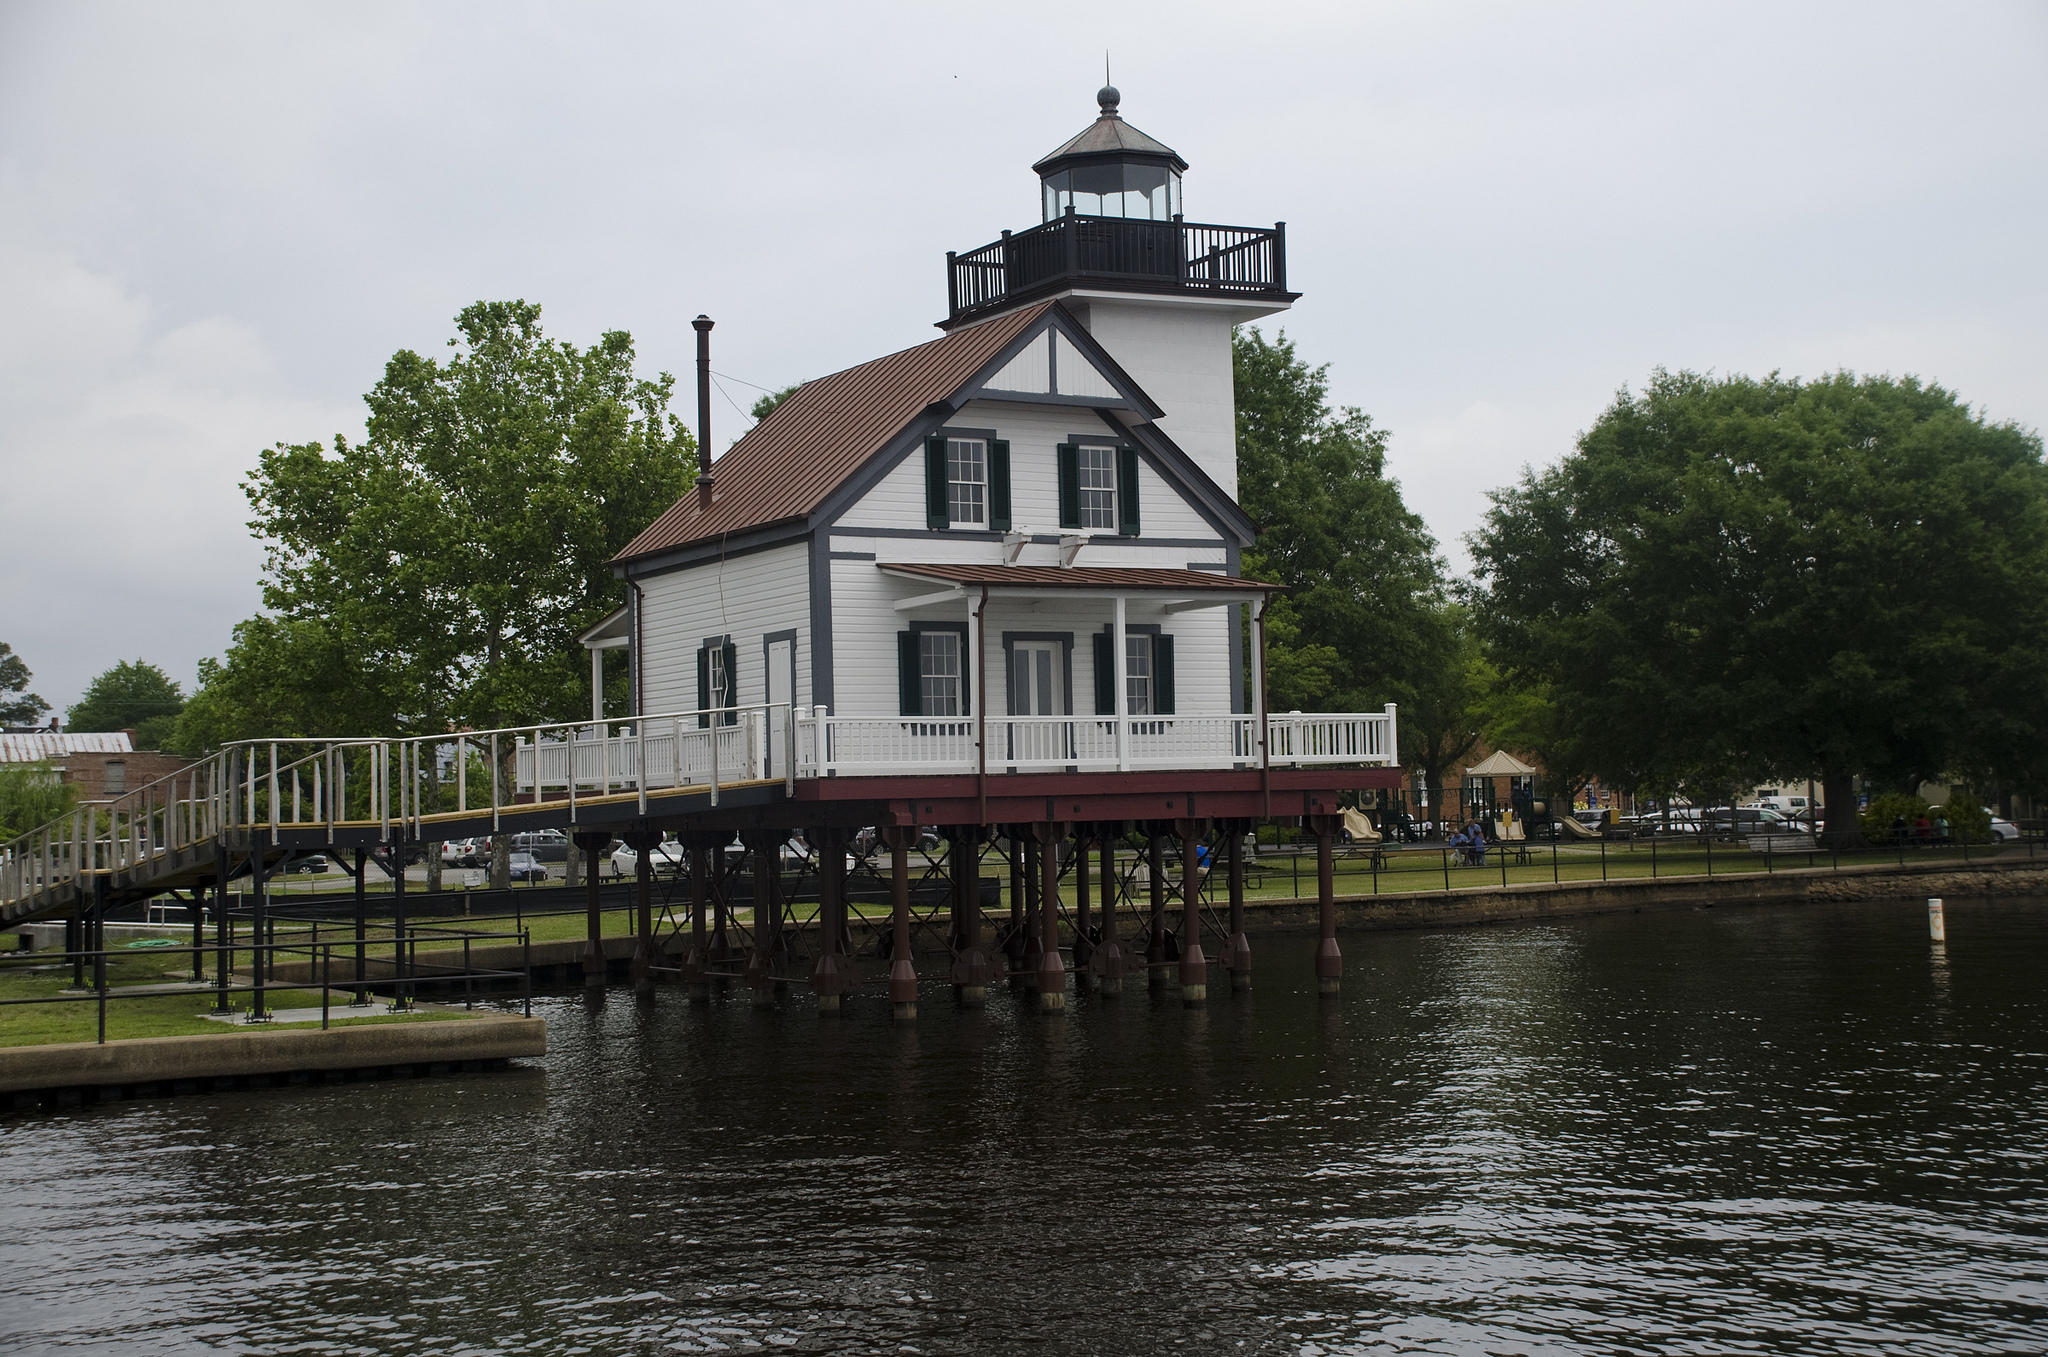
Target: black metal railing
<point>1119,252</point>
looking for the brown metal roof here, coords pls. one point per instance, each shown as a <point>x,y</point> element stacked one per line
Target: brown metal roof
<point>1104,577</point>
<point>824,432</point>
<point>1108,135</point>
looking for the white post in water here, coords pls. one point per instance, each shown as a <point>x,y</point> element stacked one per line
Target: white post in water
<point>1937,927</point>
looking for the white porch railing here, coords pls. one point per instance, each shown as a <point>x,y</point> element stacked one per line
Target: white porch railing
<point>869,746</point>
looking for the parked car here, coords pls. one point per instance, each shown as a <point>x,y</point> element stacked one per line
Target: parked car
<point>668,856</point>
<point>866,842</point>
<point>547,845</point>
<point>309,864</point>
<point>527,867</point>
<point>2002,830</point>
<point>453,853</point>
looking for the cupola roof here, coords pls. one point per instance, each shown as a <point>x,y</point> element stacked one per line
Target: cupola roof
<point>1109,135</point>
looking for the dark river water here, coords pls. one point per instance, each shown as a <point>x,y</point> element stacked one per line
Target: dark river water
<point>1726,1131</point>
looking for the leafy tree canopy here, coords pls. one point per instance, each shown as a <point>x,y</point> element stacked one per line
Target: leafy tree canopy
<point>18,706</point>
<point>1356,629</point>
<point>133,695</point>
<point>31,796</point>
<point>282,678</point>
<point>765,406</point>
<point>1735,579</point>
<point>450,558</point>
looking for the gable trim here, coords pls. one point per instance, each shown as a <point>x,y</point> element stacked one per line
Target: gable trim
<point>1193,484</point>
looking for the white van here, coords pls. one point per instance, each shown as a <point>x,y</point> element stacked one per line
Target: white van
<point>1781,802</point>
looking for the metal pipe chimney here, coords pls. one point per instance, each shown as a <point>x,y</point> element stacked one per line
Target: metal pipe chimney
<point>702,325</point>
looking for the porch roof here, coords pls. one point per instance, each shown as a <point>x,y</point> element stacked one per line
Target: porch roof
<point>1093,579</point>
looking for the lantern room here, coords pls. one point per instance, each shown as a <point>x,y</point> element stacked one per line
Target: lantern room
<point>1112,170</point>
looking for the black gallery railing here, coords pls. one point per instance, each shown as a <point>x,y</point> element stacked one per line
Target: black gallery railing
<point>1149,256</point>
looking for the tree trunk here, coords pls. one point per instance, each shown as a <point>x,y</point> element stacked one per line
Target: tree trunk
<point>433,865</point>
<point>501,862</point>
<point>572,867</point>
<point>1838,795</point>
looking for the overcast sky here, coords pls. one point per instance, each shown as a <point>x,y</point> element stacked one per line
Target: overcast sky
<point>217,222</point>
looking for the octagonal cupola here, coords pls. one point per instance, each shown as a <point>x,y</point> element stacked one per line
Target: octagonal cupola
<point>1112,170</point>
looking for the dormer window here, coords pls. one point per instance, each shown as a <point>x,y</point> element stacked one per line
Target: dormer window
<point>967,480</point>
<point>1095,467</point>
<point>1099,487</point>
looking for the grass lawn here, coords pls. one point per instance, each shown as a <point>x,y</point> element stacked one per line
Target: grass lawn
<point>153,1015</point>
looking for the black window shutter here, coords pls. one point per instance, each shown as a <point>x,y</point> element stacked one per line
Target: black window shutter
<point>937,505</point>
<point>1127,491</point>
<point>732,685</point>
<point>1162,674</point>
<point>703,685</point>
<point>1070,486</point>
<point>1105,674</point>
<point>909,674</point>
<point>999,485</point>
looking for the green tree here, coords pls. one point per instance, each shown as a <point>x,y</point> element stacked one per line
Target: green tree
<point>455,552</point>
<point>1734,579</point>
<point>18,706</point>
<point>765,406</point>
<point>1442,719</point>
<point>32,795</point>
<point>282,678</point>
<point>1356,628</point>
<point>133,695</point>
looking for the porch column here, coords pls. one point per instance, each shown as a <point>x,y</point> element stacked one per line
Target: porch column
<point>1013,944</point>
<point>1107,961</point>
<point>1084,946</point>
<point>597,688</point>
<point>592,845</point>
<point>763,845</point>
<point>1194,967</point>
<point>1052,975</point>
<point>1155,943</point>
<point>1240,945</point>
<point>1119,660</point>
<point>828,972</point>
<point>902,970</point>
<point>700,847</point>
<point>1329,961</point>
<point>643,842</point>
<point>971,967</point>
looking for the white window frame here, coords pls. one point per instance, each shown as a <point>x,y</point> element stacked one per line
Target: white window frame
<point>941,680</point>
<point>967,482</point>
<point>1096,503</point>
<point>1139,692</point>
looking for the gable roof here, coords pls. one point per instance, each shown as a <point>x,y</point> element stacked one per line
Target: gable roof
<point>784,467</point>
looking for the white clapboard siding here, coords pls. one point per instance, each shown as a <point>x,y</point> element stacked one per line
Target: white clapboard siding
<point>865,624</point>
<point>1075,375</point>
<point>746,597</point>
<point>1035,433</point>
<point>1030,370</point>
<point>1180,356</point>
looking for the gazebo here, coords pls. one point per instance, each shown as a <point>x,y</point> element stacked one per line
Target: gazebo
<point>1480,790</point>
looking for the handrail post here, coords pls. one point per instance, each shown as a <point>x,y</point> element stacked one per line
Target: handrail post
<point>640,760</point>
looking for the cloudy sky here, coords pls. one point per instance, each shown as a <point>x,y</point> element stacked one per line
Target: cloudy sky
<point>218,221</point>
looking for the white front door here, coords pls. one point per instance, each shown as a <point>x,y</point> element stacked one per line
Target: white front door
<point>781,689</point>
<point>1036,686</point>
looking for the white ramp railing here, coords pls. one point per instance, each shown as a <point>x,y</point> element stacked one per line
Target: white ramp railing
<point>402,787</point>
